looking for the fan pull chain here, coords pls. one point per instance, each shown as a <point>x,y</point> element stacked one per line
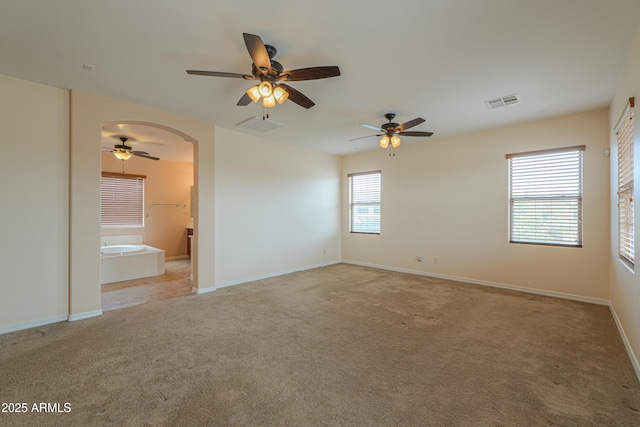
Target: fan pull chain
<point>265,113</point>
<point>122,166</point>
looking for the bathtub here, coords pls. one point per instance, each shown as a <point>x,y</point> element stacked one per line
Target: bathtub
<point>127,262</point>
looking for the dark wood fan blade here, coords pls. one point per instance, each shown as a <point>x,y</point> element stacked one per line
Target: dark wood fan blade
<point>245,100</point>
<point>146,156</point>
<point>311,73</point>
<point>109,149</point>
<point>368,136</point>
<point>138,153</point>
<point>409,124</point>
<point>368,126</point>
<point>220,74</point>
<point>415,133</point>
<point>298,97</point>
<point>258,52</point>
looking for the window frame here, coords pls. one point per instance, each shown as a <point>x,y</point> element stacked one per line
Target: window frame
<point>624,131</point>
<point>137,211</point>
<point>374,204</point>
<point>539,189</point>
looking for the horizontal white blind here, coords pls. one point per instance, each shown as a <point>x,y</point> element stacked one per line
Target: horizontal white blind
<point>122,200</point>
<point>546,197</point>
<point>625,186</point>
<point>364,202</point>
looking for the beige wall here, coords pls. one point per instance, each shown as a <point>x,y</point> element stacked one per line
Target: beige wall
<point>277,208</point>
<point>88,112</point>
<point>625,285</point>
<point>34,166</point>
<point>167,182</point>
<point>447,198</point>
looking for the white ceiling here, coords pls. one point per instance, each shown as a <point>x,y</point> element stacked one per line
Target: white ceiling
<point>436,59</point>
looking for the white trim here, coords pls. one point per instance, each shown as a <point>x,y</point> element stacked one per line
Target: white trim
<point>267,276</point>
<point>85,315</point>
<point>34,324</point>
<point>623,116</point>
<point>487,283</point>
<point>203,290</point>
<point>625,340</point>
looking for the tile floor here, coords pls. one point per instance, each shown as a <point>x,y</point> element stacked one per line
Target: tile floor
<point>173,283</point>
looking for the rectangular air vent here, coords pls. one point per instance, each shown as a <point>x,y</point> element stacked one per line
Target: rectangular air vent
<point>259,124</point>
<point>503,101</point>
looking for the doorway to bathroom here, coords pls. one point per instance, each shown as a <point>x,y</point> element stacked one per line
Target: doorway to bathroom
<point>175,282</point>
<point>161,160</point>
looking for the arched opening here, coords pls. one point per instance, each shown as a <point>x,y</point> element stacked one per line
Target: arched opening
<point>88,113</point>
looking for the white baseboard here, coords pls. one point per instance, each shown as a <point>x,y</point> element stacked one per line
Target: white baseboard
<point>487,283</point>
<point>625,340</point>
<point>203,290</point>
<point>85,315</point>
<point>269,275</point>
<point>33,324</point>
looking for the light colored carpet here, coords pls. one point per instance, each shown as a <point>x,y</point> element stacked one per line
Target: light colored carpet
<point>344,345</point>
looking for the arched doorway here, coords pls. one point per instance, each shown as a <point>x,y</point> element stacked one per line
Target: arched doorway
<point>88,113</point>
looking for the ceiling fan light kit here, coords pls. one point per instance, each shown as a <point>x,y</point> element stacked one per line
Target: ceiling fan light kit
<point>391,132</point>
<point>269,72</point>
<point>124,152</point>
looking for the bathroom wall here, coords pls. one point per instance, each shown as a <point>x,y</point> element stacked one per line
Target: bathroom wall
<point>448,199</point>
<point>34,206</point>
<point>167,182</point>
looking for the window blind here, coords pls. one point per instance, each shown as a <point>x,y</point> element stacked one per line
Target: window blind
<point>364,202</point>
<point>545,197</point>
<point>122,200</point>
<point>624,132</point>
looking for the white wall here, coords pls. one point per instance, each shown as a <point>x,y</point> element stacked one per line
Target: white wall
<point>34,171</point>
<point>274,203</point>
<point>448,198</point>
<point>625,285</point>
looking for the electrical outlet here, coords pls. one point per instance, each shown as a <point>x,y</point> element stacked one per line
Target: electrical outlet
<point>419,258</point>
<point>324,252</point>
<point>306,254</point>
<point>436,260</point>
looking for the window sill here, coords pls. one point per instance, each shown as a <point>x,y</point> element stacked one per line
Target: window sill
<point>626,264</point>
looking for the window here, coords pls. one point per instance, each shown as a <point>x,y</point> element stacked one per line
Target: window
<point>122,199</point>
<point>624,131</point>
<point>545,197</point>
<point>364,202</point>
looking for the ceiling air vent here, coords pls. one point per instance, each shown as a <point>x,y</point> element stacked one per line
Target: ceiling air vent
<point>503,101</point>
<point>259,124</point>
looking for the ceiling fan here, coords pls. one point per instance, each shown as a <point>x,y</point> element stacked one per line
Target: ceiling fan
<point>124,152</point>
<point>270,73</point>
<point>391,132</point>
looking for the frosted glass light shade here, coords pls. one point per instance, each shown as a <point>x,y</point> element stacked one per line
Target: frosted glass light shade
<point>395,141</point>
<point>384,141</point>
<point>280,94</point>
<point>269,101</point>
<point>254,93</point>
<point>122,155</point>
<point>266,89</point>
